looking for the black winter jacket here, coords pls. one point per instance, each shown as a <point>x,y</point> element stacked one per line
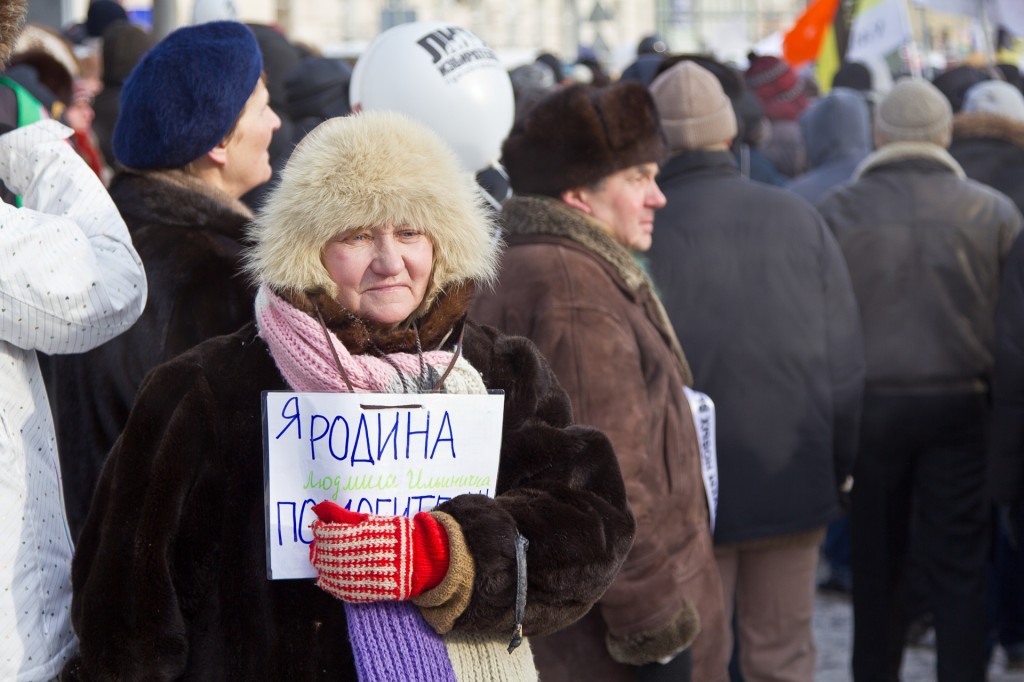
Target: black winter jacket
<point>990,149</point>
<point>925,248</point>
<point>759,296</point>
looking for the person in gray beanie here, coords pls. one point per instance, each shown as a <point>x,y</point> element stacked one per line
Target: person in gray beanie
<point>582,164</point>
<point>736,260</point>
<point>191,137</point>
<point>925,247</point>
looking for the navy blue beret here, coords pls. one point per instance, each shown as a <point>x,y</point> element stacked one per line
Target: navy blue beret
<point>183,96</point>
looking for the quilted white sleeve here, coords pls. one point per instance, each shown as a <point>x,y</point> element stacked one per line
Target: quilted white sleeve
<point>70,278</point>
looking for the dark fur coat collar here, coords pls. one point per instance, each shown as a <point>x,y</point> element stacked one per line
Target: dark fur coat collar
<point>537,215</point>
<point>175,198</point>
<point>439,327</point>
<point>980,124</point>
<point>546,216</point>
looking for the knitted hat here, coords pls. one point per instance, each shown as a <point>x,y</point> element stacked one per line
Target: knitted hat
<point>777,86</point>
<point>995,97</point>
<point>101,14</point>
<point>579,134</point>
<point>695,112</point>
<point>185,94</point>
<point>914,111</point>
<point>371,169</point>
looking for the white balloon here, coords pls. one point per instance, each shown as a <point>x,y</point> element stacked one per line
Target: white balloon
<point>443,76</point>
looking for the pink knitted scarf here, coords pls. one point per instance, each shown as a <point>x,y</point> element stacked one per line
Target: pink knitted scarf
<point>389,640</point>
<point>306,362</point>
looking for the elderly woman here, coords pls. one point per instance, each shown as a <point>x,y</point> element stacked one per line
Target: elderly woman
<point>375,236</point>
<point>191,138</point>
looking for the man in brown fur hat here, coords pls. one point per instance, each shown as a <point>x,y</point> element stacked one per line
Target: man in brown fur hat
<point>582,166</point>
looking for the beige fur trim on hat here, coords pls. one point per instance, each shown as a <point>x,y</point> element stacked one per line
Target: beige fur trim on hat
<point>695,111</point>
<point>914,111</point>
<point>368,170</point>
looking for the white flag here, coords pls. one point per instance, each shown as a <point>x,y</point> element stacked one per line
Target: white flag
<point>966,8</point>
<point>878,30</point>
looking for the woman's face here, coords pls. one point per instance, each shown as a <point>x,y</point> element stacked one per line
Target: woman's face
<point>248,162</point>
<point>382,273</point>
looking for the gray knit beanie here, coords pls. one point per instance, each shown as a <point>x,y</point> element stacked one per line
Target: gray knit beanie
<point>695,111</point>
<point>914,111</point>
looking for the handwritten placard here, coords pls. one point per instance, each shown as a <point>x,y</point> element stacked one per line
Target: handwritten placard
<point>377,453</point>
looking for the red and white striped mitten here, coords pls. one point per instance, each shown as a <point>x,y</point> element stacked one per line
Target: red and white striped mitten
<point>366,558</point>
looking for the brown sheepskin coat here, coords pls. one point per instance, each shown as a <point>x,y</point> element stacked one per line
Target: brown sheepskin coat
<point>170,577</point>
<point>590,309</point>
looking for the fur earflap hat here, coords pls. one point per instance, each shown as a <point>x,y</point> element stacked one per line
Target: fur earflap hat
<point>371,169</point>
<point>182,98</point>
<point>695,111</point>
<point>914,111</point>
<point>579,134</point>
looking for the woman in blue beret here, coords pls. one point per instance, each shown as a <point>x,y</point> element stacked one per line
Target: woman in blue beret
<point>191,138</point>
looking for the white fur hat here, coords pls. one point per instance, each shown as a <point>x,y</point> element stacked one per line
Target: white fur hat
<point>366,170</point>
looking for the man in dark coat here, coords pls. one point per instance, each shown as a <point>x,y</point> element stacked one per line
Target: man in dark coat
<point>925,248</point>
<point>582,166</point>
<point>758,293</point>
<point>179,196</point>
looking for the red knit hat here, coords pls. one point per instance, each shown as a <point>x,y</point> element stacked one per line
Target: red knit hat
<point>777,86</point>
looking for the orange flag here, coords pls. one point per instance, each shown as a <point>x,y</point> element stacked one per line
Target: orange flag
<point>803,41</point>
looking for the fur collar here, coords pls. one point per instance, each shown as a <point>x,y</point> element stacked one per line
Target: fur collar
<point>547,216</point>
<point>149,199</point>
<point>442,322</point>
<point>983,124</point>
<point>180,178</point>
<point>905,151</point>
<point>537,215</point>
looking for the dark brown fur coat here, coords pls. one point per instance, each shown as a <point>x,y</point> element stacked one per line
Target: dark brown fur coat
<point>170,575</point>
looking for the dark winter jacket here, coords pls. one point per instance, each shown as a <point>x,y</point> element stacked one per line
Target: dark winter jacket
<point>590,309</point>
<point>837,132</point>
<point>170,577</point>
<point>758,293</point>
<point>990,149</point>
<point>925,249</point>
<point>1006,464</point>
<point>190,241</point>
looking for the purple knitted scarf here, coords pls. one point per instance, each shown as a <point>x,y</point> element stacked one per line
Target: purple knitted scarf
<point>390,640</point>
